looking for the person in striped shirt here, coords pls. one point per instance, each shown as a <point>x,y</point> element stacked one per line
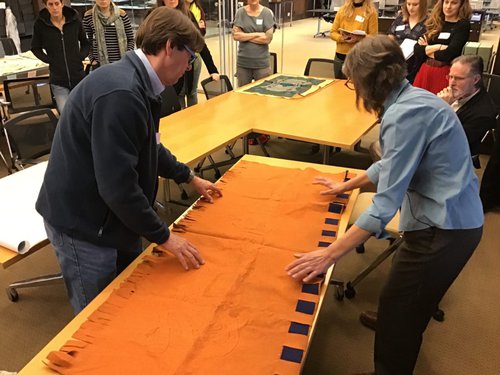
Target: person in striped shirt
<point>110,32</point>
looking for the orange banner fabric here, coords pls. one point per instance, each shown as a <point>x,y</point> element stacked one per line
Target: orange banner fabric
<point>240,313</point>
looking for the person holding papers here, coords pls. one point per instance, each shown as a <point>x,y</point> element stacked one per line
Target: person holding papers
<point>448,29</point>
<point>354,20</point>
<point>406,29</point>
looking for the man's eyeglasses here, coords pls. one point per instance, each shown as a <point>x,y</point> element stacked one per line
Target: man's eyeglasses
<point>455,78</point>
<point>349,84</point>
<point>192,59</point>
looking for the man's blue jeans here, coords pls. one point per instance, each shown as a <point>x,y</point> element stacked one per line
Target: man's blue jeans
<point>60,94</point>
<point>87,268</point>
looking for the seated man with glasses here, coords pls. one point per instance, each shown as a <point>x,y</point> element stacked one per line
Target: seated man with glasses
<point>469,99</point>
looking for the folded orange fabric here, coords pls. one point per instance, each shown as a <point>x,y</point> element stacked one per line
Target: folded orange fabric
<point>238,314</point>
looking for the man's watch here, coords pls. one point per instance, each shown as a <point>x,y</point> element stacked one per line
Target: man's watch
<point>190,177</point>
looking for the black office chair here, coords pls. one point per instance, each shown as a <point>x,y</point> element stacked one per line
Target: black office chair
<point>30,136</point>
<point>324,68</point>
<point>492,84</point>
<point>169,102</point>
<point>26,94</point>
<point>212,89</point>
<point>273,62</point>
<point>348,289</point>
<point>32,101</point>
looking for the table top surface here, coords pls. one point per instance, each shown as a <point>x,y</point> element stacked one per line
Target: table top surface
<point>36,365</point>
<point>22,63</point>
<point>327,116</point>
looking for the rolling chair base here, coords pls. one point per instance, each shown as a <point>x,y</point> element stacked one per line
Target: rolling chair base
<point>11,290</point>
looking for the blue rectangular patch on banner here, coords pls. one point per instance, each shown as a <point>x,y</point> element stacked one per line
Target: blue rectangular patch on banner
<point>335,208</point>
<point>328,233</point>
<point>332,221</point>
<point>292,354</point>
<point>324,244</point>
<point>343,196</point>
<point>310,288</point>
<point>299,328</point>
<point>305,307</point>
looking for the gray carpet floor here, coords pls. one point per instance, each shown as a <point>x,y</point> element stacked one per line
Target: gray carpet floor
<point>465,343</point>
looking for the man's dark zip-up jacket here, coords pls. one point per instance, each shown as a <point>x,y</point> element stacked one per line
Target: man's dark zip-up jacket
<point>64,51</point>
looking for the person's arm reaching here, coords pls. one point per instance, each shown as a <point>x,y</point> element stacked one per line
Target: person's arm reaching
<point>392,174</point>
<point>334,187</point>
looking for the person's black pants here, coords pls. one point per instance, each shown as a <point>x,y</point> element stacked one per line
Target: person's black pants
<point>424,267</point>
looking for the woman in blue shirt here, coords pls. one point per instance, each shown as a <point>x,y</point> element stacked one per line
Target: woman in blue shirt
<point>426,171</point>
<point>410,24</point>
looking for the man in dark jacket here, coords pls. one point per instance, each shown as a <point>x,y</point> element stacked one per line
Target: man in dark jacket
<point>58,30</point>
<point>470,100</point>
<point>98,192</point>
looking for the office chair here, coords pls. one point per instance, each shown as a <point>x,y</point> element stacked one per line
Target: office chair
<point>29,136</point>
<point>26,94</point>
<point>273,62</point>
<point>31,100</point>
<point>363,201</point>
<point>212,89</point>
<point>323,68</point>
<point>318,67</point>
<point>170,104</point>
<point>492,85</point>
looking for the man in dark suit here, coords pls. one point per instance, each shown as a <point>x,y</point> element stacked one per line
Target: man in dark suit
<point>468,97</point>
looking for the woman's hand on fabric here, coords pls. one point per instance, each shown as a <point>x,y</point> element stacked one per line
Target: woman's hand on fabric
<point>205,188</point>
<point>334,187</point>
<point>186,253</point>
<point>310,266</point>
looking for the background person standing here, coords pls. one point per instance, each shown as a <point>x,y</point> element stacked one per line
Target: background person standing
<point>59,40</point>
<point>110,32</point>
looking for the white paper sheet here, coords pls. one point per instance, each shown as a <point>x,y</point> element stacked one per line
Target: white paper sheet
<point>407,47</point>
<point>21,227</point>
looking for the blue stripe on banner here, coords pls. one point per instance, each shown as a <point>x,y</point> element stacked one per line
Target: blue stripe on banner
<point>299,328</point>
<point>331,221</point>
<point>324,244</point>
<point>310,288</point>
<point>305,307</point>
<point>335,208</point>
<point>342,195</point>
<point>292,354</point>
<point>329,233</point>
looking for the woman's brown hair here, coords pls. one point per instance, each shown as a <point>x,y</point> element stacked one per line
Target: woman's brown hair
<point>435,21</point>
<point>376,66</point>
<point>422,11</point>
